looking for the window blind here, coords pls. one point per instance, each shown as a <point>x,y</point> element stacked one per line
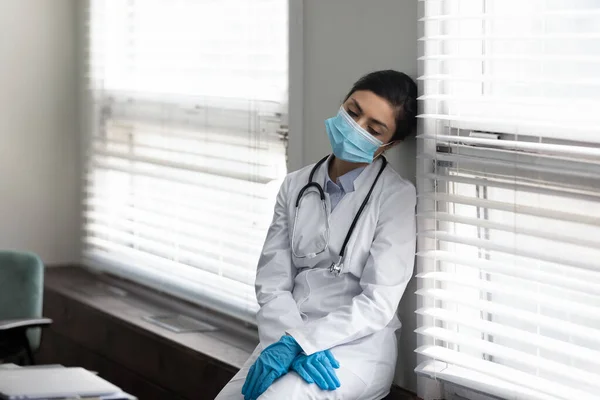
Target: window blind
<point>509,197</point>
<point>187,143</point>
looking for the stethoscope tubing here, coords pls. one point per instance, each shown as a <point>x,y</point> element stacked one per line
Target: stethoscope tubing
<point>336,265</point>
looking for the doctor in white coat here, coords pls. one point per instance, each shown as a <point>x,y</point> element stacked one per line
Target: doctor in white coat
<point>337,259</point>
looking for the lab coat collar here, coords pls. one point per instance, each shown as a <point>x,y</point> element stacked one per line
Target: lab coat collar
<point>346,181</point>
<point>322,174</point>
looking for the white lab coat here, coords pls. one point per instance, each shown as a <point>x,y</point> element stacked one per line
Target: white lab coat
<point>354,314</point>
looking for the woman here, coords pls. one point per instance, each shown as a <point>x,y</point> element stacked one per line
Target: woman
<point>337,258</point>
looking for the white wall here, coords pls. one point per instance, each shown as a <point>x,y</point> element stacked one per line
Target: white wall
<point>39,178</point>
<point>343,40</point>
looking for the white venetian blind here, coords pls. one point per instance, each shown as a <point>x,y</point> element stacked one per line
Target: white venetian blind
<point>509,203</point>
<point>187,143</point>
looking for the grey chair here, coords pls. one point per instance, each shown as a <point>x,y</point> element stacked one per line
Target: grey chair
<point>21,296</point>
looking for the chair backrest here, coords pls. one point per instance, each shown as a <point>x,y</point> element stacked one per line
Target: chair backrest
<point>21,288</point>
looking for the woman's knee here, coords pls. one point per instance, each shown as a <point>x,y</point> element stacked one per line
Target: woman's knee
<point>290,386</point>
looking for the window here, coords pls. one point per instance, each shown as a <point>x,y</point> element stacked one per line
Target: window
<point>187,143</point>
<point>509,203</point>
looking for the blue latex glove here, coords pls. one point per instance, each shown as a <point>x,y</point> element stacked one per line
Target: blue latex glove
<point>273,362</point>
<point>318,368</point>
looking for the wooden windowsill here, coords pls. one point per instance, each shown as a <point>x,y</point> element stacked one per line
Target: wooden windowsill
<point>106,299</point>
<point>232,343</point>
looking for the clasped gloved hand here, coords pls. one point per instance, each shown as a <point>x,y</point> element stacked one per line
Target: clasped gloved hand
<point>273,362</point>
<point>318,368</point>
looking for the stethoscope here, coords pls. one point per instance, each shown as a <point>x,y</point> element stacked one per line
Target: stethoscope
<point>337,265</point>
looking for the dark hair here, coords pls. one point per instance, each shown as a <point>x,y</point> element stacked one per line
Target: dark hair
<point>400,91</point>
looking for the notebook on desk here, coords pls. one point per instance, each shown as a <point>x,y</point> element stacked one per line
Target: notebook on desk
<point>53,383</point>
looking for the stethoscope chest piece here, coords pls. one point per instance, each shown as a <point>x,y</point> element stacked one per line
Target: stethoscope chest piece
<point>337,266</point>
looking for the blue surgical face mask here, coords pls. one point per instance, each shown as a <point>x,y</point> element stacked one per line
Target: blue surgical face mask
<point>349,140</point>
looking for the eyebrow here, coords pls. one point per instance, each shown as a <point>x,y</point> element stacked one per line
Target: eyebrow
<point>373,120</point>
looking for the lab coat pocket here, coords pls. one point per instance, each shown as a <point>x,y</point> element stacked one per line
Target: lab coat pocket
<point>322,259</point>
<point>309,232</point>
<point>359,248</point>
<point>358,253</point>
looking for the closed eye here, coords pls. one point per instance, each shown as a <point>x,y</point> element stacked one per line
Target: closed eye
<point>374,132</point>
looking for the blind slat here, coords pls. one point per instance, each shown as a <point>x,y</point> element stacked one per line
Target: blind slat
<point>562,276</point>
<point>566,58</point>
<point>498,166</point>
<point>508,249</point>
<point>137,258</point>
<point>572,191</point>
<point>237,241</point>
<point>516,208</point>
<point>541,14</point>
<point>194,291</point>
<point>573,150</point>
<point>573,307</point>
<point>516,229</point>
<point>499,371</point>
<point>551,345</point>
<point>231,228</point>
<point>518,357</point>
<point>511,80</point>
<point>480,382</point>
<point>188,209</point>
<point>547,36</point>
<point>236,268</point>
<point>208,188</point>
<point>506,99</point>
<point>589,129</point>
<point>110,157</point>
<point>182,176</point>
<point>515,313</point>
<point>241,154</point>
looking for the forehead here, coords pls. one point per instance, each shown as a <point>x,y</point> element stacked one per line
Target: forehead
<point>374,106</point>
